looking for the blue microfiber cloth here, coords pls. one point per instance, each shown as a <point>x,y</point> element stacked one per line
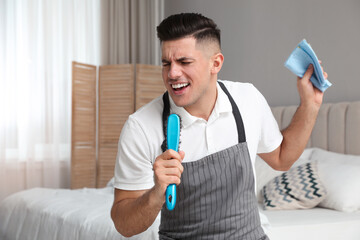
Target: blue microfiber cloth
<point>299,61</point>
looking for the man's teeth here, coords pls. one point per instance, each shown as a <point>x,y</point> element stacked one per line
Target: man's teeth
<point>180,85</point>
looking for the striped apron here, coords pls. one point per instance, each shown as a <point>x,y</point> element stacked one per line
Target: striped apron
<point>216,198</point>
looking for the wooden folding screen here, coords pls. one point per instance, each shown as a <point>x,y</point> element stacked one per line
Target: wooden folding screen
<point>117,100</point>
<point>149,84</point>
<point>83,128</point>
<point>116,103</point>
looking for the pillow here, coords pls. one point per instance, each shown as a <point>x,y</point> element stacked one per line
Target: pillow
<point>321,155</point>
<point>264,173</point>
<point>340,175</point>
<point>298,188</point>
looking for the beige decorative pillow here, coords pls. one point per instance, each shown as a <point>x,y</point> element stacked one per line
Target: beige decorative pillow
<point>298,188</point>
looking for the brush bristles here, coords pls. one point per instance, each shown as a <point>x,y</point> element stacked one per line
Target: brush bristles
<point>180,121</point>
<point>180,132</point>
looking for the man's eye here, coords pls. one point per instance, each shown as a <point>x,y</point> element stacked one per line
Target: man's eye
<point>185,63</point>
<point>165,64</point>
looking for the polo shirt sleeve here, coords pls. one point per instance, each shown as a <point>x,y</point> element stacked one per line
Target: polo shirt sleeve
<point>133,167</point>
<point>270,135</point>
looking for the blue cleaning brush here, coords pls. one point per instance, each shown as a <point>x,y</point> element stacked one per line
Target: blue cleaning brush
<point>173,138</point>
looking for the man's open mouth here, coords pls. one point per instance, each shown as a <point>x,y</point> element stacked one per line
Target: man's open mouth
<point>179,86</point>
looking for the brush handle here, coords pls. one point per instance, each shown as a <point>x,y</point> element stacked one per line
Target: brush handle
<point>171,197</point>
<point>173,138</point>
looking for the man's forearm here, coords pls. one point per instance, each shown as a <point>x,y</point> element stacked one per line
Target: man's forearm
<point>134,216</point>
<point>297,134</point>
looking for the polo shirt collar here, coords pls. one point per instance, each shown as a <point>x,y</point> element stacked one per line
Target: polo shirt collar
<point>222,105</point>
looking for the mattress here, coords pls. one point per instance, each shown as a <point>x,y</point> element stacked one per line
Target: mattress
<point>313,224</point>
<point>58,214</point>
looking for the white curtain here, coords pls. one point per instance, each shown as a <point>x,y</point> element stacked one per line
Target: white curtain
<point>38,41</point>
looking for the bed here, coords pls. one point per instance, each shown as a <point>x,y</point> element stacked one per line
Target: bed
<point>335,147</point>
<point>84,213</point>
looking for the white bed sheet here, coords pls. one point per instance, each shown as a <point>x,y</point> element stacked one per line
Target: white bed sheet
<point>313,224</point>
<point>62,214</point>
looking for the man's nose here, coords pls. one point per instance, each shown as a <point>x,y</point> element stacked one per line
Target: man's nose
<point>174,71</point>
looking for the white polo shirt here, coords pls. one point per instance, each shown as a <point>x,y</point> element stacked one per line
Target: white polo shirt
<point>142,135</point>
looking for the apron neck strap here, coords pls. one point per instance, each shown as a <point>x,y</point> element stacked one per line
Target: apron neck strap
<point>237,115</point>
<point>235,110</point>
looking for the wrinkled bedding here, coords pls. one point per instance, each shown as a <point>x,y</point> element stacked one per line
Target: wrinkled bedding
<point>44,214</point>
<point>63,214</point>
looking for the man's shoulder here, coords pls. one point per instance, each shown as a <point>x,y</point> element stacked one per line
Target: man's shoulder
<point>155,105</point>
<point>148,114</point>
<point>240,89</point>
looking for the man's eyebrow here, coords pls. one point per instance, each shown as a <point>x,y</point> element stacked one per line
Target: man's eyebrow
<point>184,59</point>
<point>178,60</point>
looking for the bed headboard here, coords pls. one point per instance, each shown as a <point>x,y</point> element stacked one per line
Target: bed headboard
<point>337,128</point>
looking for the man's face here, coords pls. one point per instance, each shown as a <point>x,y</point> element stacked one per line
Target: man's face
<point>187,73</point>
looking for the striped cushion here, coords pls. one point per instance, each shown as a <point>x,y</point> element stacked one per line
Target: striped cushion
<point>299,188</point>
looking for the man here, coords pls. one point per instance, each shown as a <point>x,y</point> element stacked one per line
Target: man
<point>224,125</point>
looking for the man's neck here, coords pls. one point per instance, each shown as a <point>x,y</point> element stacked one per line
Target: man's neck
<point>204,108</point>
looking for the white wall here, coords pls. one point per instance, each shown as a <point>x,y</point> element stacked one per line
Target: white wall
<point>259,35</point>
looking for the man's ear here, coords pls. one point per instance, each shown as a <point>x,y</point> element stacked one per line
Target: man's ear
<point>217,62</point>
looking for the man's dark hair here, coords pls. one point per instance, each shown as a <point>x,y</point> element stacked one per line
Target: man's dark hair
<point>188,24</point>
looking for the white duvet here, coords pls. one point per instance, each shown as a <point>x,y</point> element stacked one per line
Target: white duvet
<point>55,214</point>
